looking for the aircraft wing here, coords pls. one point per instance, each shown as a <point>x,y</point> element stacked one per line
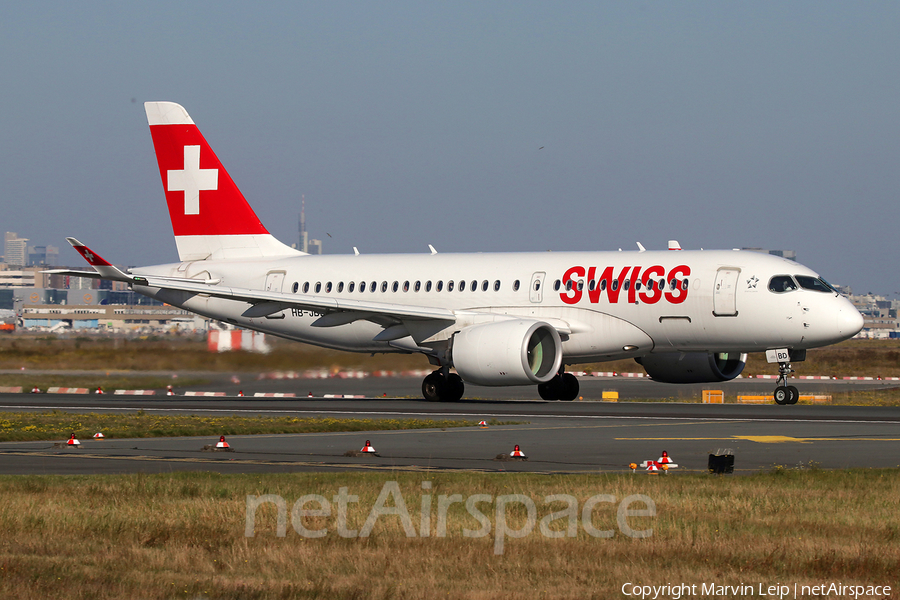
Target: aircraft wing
<point>264,303</point>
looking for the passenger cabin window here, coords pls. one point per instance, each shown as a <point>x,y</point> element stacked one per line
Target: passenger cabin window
<point>362,287</point>
<point>306,287</point>
<point>782,283</point>
<point>450,286</point>
<point>516,285</point>
<point>428,286</point>
<point>328,288</point>
<point>340,287</point>
<point>440,286</point>
<point>497,286</point>
<point>295,287</point>
<point>350,287</point>
<point>556,285</point>
<point>374,285</point>
<point>395,286</point>
<point>474,286</point>
<point>816,285</point>
<point>318,286</point>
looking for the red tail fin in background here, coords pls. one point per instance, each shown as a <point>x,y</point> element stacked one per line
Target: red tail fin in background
<point>210,217</point>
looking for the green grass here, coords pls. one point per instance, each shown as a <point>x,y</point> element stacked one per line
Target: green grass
<point>56,425</point>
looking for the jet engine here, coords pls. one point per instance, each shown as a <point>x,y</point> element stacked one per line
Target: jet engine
<point>693,367</point>
<point>513,352</point>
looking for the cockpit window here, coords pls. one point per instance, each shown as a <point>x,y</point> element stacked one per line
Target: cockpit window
<point>782,283</point>
<point>816,285</point>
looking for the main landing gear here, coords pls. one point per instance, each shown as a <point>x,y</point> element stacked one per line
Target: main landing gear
<point>443,386</point>
<point>785,394</point>
<point>563,386</point>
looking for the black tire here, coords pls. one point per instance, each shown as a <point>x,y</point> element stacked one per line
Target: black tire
<point>552,389</point>
<point>782,395</point>
<point>795,394</point>
<point>570,387</point>
<point>433,387</point>
<point>455,388</point>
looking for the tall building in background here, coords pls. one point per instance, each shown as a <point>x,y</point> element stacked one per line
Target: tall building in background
<point>307,245</point>
<point>43,256</point>
<point>15,249</point>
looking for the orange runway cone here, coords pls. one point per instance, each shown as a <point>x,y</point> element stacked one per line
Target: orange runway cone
<point>99,436</point>
<point>516,453</point>
<point>72,441</point>
<point>368,447</point>
<point>222,443</point>
<point>633,468</point>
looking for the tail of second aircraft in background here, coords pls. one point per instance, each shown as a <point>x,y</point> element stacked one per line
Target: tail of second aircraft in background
<point>210,217</point>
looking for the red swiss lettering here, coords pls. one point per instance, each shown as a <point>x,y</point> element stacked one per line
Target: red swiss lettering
<point>573,295</point>
<point>679,293</point>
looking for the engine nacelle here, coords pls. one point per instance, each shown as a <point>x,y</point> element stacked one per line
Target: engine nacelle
<point>513,352</point>
<point>693,367</point>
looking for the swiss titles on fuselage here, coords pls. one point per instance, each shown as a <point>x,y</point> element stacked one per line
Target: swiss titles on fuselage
<point>625,284</point>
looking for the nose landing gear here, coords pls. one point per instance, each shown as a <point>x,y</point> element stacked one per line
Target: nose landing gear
<point>785,394</point>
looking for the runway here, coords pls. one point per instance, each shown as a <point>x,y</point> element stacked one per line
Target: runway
<point>557,437</point>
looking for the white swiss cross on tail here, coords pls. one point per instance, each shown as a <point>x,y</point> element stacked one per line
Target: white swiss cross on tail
<point>192,180</point>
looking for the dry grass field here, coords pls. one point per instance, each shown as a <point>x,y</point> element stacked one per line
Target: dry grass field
<point>183,535</point>
<point>185,353</point>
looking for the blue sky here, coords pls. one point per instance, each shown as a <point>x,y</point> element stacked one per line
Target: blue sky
<point>472,126</point>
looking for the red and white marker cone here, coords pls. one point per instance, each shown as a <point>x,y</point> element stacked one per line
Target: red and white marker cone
<point>240,393</point>
<point>99,436</point>
<point>72,441</point>
<point>665,460</point>
<point>99,390</point>
<point>222,443</point>
<point>652,467</point>
<point>483,424</point>
<point>368,448</point>
<point>169,391</point>
<point>309,395</point>
<point>516,453</point>
<point>35,390</point>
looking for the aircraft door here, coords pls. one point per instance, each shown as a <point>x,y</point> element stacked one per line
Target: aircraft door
<point>724,301</point>
<point>536,291</point>
<point>274,281</point>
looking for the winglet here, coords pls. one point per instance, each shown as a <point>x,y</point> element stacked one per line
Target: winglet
<point>101,265</point>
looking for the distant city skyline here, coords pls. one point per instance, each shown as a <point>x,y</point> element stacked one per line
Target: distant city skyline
<point>471,126</point>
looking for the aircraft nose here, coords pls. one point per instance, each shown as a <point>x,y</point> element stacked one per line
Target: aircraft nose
<point>850,322</point>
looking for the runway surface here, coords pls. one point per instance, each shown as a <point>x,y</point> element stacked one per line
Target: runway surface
<point>557,437</point>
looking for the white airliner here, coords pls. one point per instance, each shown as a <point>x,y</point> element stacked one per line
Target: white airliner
<point>497,319</point>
